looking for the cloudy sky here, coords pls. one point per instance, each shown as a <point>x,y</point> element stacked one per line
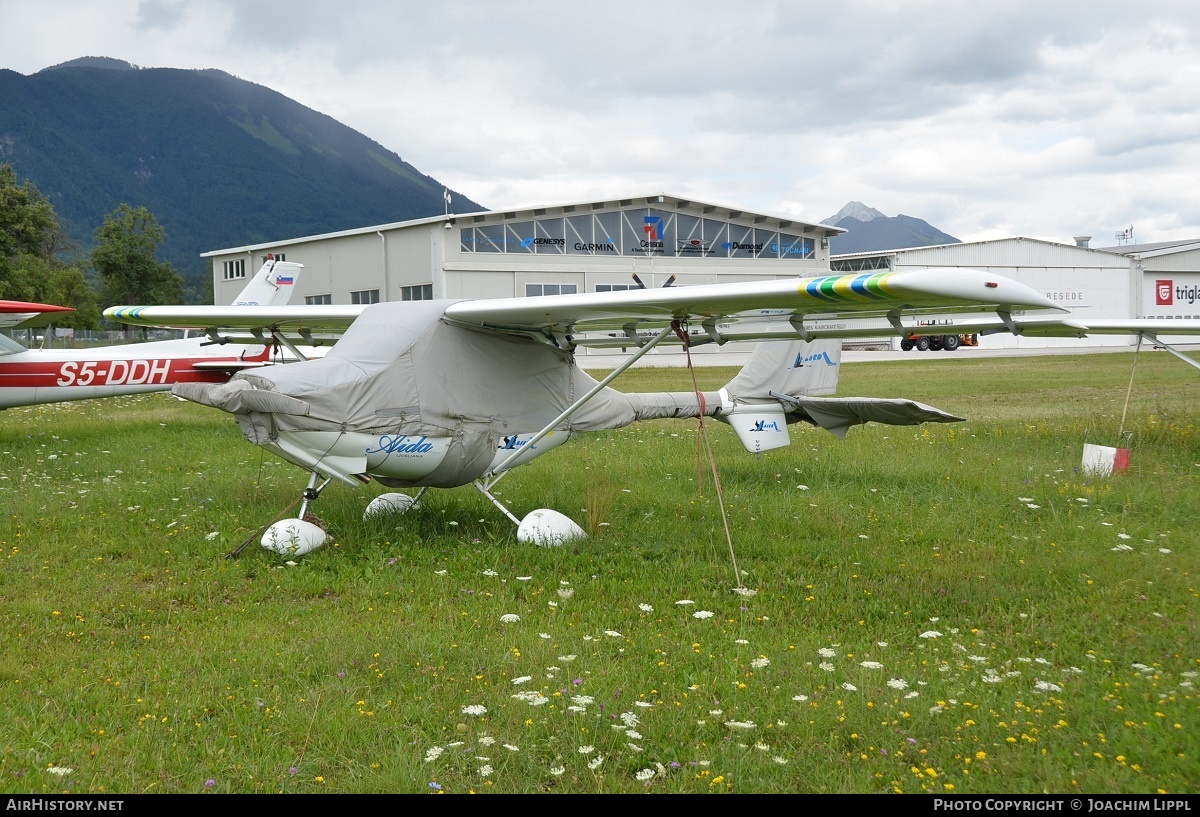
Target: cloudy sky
<point>1045,119</point>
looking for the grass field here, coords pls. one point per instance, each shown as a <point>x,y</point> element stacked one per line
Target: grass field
<point>940,608</point>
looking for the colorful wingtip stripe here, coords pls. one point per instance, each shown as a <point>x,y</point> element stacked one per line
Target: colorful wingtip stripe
<point>835,289</point>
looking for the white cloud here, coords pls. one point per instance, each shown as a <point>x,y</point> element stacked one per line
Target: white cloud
<point>1026,118</point>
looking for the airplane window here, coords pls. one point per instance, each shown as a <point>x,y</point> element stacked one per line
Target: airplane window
<point>8,346</point>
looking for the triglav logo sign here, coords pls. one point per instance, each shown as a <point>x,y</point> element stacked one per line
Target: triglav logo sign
<point>1164,292</point>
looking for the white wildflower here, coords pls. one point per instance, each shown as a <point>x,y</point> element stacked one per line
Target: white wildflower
<point>433,754</point>
<point>871,665</point>
<point>747,725</point>
<point>826,652</point>
<point>931,634</point>
<point>510,618</point>
<point>645,608</point>
<point>702,614</point>
<point>522,679</point>
<point>645,774</point>
<point>849,687</point>
<point>685,601</point>
<point>474,709</point>
<point>759,663</point>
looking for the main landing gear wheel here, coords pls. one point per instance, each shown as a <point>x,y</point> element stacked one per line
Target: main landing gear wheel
<point>389,503</point>
<point>293,537</point>
<point>547,528</point>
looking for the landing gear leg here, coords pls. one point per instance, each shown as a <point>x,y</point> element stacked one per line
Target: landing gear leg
<point>312,492</point>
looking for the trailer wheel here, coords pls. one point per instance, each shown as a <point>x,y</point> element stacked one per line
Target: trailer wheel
<point>922,344</point>
<point>950,343</point>
<point>906,345</point>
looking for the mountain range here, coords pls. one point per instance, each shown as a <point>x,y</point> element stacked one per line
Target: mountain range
<point>217,160</point>
<point>222,162</point>
<point>870,230</point>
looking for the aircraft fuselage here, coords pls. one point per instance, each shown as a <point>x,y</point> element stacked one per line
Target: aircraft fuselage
<point>31,377</point>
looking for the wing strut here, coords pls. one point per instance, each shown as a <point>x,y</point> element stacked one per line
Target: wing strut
<point>287,344</point>
<point>496,473</point>
<point>1158,344</point>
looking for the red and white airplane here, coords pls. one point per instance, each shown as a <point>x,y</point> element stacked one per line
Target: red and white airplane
<point>33,376</point>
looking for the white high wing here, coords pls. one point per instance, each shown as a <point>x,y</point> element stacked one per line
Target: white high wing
<point>422,394</point>
<point>34,376</point>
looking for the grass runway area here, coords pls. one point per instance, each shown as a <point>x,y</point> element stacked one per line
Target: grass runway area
<point>930,609</point>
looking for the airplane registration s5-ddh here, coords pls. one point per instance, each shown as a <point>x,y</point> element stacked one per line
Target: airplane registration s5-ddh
<point>35,376</point>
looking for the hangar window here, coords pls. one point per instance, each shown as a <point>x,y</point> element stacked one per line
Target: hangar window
<point>637,232</point>
<point>878,262</point>
<point>536,290</point>
<point>365,296</point>
<point>420,292</point>
<point>614,287</point>
<point>318,300</point>
<point>231,270</point>
<point>277,256</point>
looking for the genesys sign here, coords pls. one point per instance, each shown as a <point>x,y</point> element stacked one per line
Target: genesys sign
<point>1168,293</point>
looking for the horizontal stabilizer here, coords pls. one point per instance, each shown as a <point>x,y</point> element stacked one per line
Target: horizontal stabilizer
<point>219,365</point>
<point>838,414</point>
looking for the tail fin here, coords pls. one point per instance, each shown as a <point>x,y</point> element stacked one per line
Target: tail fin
<point>272,285</point>
<point>786,367</point>
<point>782,383</point>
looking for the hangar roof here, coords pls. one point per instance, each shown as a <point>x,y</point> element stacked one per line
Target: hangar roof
<point>658,200</point>
<point>1157,248</point>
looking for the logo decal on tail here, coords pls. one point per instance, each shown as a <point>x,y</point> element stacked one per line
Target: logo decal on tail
<point>819,357</point>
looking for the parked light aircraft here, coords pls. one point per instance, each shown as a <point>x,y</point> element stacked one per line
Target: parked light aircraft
<point>32,376</point>
<point>421,394</point>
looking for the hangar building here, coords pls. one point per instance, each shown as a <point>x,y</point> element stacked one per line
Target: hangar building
<point>596,246</point>
<point>661,240</point>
